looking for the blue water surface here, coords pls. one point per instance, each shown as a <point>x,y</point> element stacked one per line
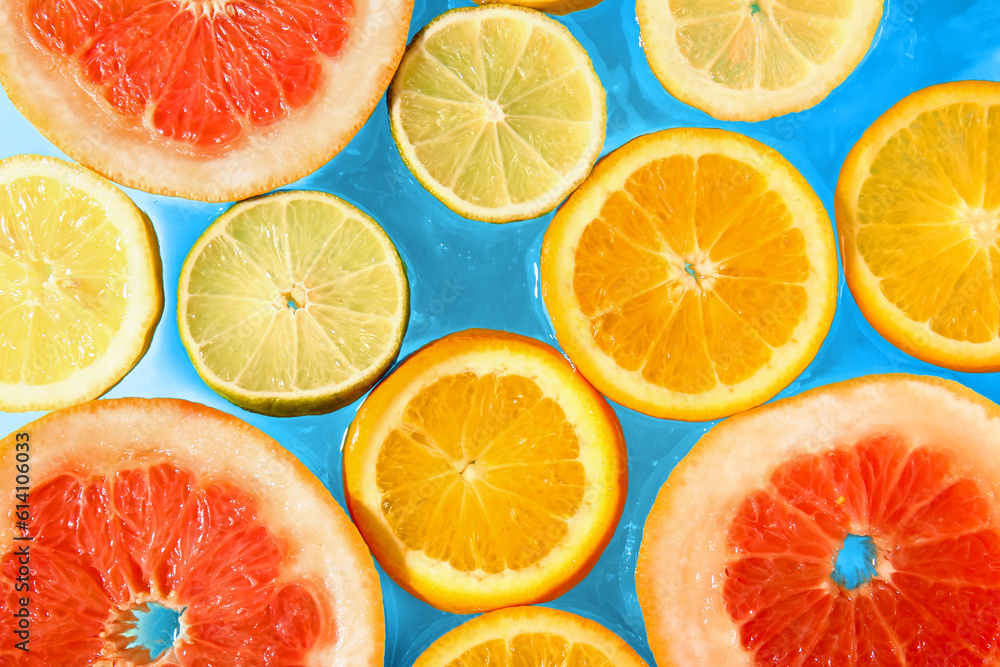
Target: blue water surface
<point>471,274</point>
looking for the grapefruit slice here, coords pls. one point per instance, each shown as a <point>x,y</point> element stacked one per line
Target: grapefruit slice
<point>484,472</point>
<point>857,523</point>
<point>132,503</point>
<point>207,100</point>
<point>524,636</point>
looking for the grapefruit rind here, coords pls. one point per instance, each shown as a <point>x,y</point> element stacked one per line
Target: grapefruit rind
<point>50,93</point>
<point>506,624</point>
<point>698,89</point>
<point>684,546</point>
<point>101,437</point>
<point>914,338</point>
<point>568,181</point>
<point>144,289</point>
<point>573,328</point>
<point>602,451</point>
<point>296,402</point>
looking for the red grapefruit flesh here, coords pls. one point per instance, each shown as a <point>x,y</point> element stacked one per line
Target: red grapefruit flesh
<point>737,561</point>
<point>211,100</point>
<point>139,501</point>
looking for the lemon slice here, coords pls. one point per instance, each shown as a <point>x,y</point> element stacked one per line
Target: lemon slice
<point>293,303</point>
<point>80,284</point>
<point>755,59</point>
<point>497,111</point>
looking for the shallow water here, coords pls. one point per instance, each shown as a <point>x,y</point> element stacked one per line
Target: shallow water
<point>470,274</point>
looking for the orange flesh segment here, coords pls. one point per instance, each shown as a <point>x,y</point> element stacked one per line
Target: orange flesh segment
<point>154,533</point>
<point>699,253</point>
<point>535,648</point>
<point>456,482</point>
<point>940,603</point>
<point>199,76</point>
<point>928,216</point>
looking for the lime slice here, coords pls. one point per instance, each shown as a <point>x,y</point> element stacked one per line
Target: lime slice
<point>294,303</point>
<point>80,284</point>
<point>497,111</point>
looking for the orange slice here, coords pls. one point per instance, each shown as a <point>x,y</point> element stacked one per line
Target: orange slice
<point>856,523</point>
<point>918,212</point>
<point>484,472</point>
<point>755,59</point>
<point>529,636</point>
<point>128,506</point>
<point>207,100</point>
<point>692,275</point>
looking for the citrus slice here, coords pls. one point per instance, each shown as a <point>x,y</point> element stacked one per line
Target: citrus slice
<point>918,213</point>
<point>529,636</point>
<point>755,59</point>
<point>80,284</point>
<point>293,303</point>
<point>549,6</point>
<point>497,111</point>
<point>484,472</point>
<point>692,275</point>
<point>125,507</point>
<point>856,523</point>
<point>207,100</point>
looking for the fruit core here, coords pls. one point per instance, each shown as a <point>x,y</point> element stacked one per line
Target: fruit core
<point>880,549</point>
<point>199,73</point>
<point>147,631</point>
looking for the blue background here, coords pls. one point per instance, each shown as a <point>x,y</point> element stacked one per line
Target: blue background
<point>471,274</point>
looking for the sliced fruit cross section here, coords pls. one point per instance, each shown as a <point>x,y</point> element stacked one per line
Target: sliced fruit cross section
<point>134,504</point>
<point>215,100</point>
<point>741,559</point>
<point>80,284</point>
<point>484,472</point>
<point>692,275</point>
<point>918,212</point>
<point>755,59</point>
<point>529,636</point>
<point>293,303</point>
<point>497,111</point>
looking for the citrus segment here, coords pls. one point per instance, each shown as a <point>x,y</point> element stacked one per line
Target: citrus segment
<point>497,111</point>
<point>293,303</point>
<point>918,208</point>
<point>213,101</point>
<point>529,636</point>
<point>484,472</point>
<point>132,504</point>
<point>757,59</point>
<point>745,555</point>
<point>692,275</point>
<point>80,284</point>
